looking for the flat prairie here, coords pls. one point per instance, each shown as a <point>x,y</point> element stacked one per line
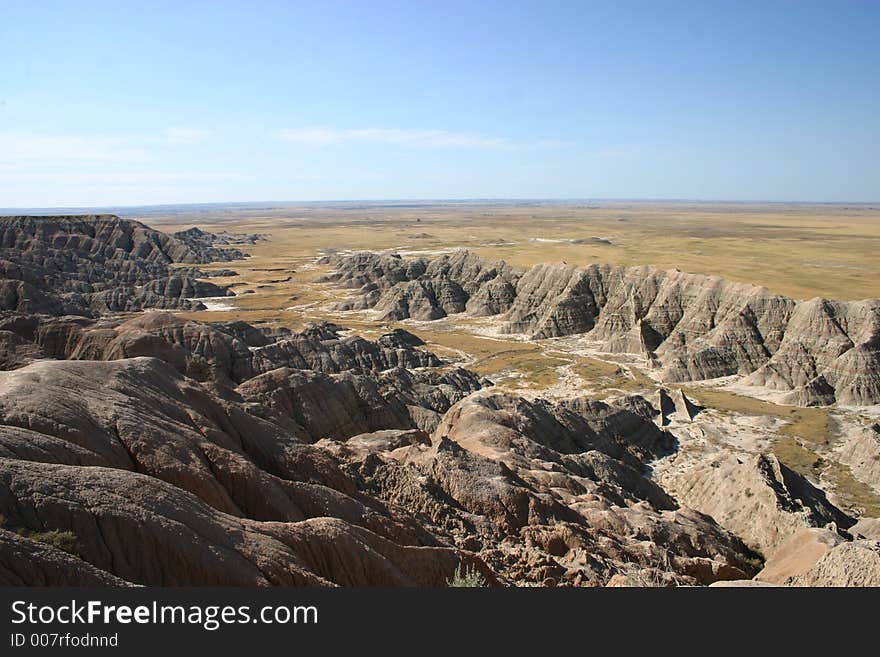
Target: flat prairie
<point>801,251</point>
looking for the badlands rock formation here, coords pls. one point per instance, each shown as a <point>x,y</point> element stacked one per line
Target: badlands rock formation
<point>689,326</point>
<point>198,240</point>
<point>141,455</point>
<point>228,353</point>
<point>89,265</point>
<point>758,498</point>
<point>848,564</point>
<point>861,452</point>
<point>143,448</point>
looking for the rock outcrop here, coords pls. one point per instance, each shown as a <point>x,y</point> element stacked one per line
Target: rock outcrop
<point>848,564</point>
<point>798,554</point>
<point>205,243</point>
<point>150,532</point>
<point>88,265</point>
<point>675,403</point>
<point>860,450</point>
<point>756,497</point>
<point>690,326</point>
<point>425,289</point>
<point>165,456</point>
<point>28,562</point>
<point>551,493</point>
<point>152,473</point>
<point>227,353</point>
<point>142,456</point>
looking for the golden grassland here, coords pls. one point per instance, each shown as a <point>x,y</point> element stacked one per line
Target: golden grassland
<point>799,251</point>
<point>535,369</point>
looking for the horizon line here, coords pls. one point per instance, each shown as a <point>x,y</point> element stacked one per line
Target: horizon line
<point>430,201</point>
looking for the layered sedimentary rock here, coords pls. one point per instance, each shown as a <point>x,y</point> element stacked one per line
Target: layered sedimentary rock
<point>860,450</point>
<point>757,497</point>
<point>204,243</point>
<point>92,264</point>
<point>675,403</point>
<point>142,455</point>
<point>552,494</point>
<point>153,533</point>
<point>27,562</point>
<point>167,456</point>
<point>688,326</point>
<point>230,353</point>
<point>425,289</point>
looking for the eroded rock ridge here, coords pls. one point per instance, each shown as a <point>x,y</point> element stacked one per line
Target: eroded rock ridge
<point>689,327</point>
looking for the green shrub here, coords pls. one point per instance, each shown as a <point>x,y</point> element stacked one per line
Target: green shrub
<point>62,540</point>
<point>466,577</point>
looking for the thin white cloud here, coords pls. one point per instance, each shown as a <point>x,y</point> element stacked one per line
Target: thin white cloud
<point>46,151</point>
<point>623,151</point>
<point>318,136</point>
<point>18,149</point>
<point>553,143</point>
<point>118,177</point>
<point>182,136</point>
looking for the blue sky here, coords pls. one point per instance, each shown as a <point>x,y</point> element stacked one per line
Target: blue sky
<point>171,102</point>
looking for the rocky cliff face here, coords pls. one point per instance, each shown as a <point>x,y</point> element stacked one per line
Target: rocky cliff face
<point>689,326</point>
<point>88,265</point>
<point>424,289</point>
<point>205,243</point>
<point>167,457</point>
<point>555,493</point>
